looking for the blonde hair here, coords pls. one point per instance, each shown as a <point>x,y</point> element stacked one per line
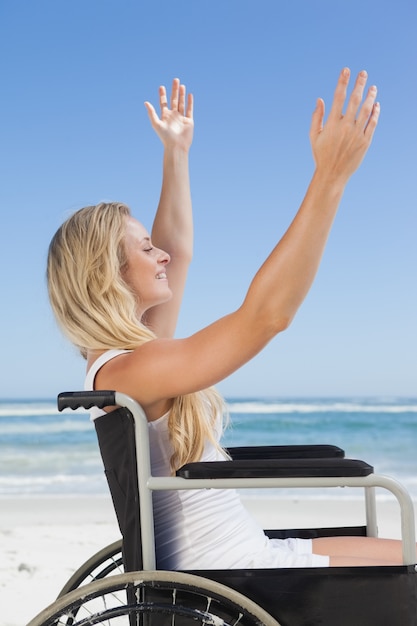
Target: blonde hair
<point>96,309</point>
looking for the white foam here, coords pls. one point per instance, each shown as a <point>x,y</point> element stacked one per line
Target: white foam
<point>36,428</point>
<point>25,410</point>
<point>336,407</point>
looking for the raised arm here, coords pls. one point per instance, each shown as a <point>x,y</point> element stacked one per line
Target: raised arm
<point>173,225</point>
<point>168,368</point>
<point>338,149</point>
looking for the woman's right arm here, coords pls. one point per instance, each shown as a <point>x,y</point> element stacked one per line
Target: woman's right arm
<point>338,148</point>
<point>165,368</point>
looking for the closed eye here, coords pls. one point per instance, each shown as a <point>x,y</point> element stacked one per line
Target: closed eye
<point>148,244</point>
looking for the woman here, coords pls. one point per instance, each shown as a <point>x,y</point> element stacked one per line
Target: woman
<point>116,291</point>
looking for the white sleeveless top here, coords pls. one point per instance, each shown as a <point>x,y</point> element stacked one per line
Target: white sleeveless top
<point>209,528</point>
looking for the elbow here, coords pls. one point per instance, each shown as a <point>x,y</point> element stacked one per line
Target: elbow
<point>281,323</point>
<point>272,325</point>
<point>185,255</point>
<point>268,320</point>
<point>182,258</point>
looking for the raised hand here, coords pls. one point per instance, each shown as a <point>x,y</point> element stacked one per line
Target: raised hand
<point>340,144</point>
<point>175,125</point>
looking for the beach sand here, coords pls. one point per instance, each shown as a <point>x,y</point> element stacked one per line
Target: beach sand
<point>45,539</point>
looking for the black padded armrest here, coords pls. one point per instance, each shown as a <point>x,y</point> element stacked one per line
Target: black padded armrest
<point>320,451</point>
<point>282,468</point>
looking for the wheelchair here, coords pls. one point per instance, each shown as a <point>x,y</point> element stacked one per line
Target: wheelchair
<point>122,585</point>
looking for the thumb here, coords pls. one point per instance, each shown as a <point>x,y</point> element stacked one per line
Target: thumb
<point>317,119</point>
<point>151,113</point>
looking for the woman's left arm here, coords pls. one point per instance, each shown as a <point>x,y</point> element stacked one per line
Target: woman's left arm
<point>172,229</point>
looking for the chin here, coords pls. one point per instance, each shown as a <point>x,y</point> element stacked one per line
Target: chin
<point>167,297</point>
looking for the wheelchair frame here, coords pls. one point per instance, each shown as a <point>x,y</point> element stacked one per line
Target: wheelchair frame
<point>296,597</point>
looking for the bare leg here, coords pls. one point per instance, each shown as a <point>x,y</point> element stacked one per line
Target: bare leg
<point>361,551</point>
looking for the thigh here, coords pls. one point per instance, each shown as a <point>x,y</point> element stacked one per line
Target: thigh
<point>359,550</point>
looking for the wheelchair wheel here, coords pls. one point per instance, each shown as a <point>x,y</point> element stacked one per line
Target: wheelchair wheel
<point>156,598</point>
<point>106,562</point>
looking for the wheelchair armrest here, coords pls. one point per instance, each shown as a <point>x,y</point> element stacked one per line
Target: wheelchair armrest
<point>277,468</point>
<point>285,452</point>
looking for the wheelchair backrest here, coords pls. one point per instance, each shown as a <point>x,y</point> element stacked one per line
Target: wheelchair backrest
<point>116,438</point>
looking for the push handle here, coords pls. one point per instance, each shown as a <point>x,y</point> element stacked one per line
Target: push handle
<point>86,399</point>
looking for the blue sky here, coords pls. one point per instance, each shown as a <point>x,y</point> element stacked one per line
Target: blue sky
<point>74,131</point>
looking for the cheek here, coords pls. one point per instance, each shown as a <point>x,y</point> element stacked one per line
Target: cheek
<point>130,277</point>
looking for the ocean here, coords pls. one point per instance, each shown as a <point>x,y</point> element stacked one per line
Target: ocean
<point>44,452</point>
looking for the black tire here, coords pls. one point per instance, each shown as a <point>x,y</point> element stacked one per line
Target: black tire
<point>155,598</point>
<point>106,562</point>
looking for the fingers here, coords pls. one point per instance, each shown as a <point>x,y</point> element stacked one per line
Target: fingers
<point>339,98</point>
<point>175,95</point>
<point>369,108</point>
<point>178,99</point>
<point>365,116</point>
<point>356,96</point>
<point>190,106</point>
<point>372,121</point>
<point>163,100</point>
<point>179,102</point>
<point>186,111</point>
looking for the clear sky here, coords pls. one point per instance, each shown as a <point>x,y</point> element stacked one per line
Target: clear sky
<point>74,131</point>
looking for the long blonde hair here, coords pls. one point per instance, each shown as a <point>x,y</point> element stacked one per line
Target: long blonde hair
<point>96,309</point>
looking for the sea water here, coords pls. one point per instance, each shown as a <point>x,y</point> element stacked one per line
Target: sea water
<point>44,452</point>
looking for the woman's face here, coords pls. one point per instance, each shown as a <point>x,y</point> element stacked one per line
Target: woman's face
<point>145,271</point>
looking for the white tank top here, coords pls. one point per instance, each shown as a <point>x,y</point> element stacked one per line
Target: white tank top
<point>209,528</point>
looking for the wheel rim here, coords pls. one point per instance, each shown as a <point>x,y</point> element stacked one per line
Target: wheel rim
<point>106,562</point>
<point>154,599</point>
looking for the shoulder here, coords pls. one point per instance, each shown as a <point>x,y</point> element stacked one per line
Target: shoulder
<point>130,372</point>
<point>96,359</point>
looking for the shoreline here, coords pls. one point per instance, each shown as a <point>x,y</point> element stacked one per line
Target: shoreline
<point>44,539</point>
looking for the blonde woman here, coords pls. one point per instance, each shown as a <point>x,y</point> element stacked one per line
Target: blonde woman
<point>116,291</point>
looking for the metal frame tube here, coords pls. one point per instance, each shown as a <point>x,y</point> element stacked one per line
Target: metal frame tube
<point>148,483</point>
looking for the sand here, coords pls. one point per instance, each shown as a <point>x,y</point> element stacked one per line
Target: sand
<point>43,540</point>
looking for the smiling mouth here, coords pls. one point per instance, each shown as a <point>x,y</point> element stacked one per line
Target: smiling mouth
<point>161,276</point>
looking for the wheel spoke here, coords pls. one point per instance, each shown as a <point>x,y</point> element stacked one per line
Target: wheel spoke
<point>154,599</point>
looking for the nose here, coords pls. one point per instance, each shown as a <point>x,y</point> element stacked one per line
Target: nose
<point>163,257</point>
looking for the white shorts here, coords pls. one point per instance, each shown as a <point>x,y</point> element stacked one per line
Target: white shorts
<point>292,552</point>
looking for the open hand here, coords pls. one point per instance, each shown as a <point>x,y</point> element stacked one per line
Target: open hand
<point>341,143</point>
<point>175,125</point>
